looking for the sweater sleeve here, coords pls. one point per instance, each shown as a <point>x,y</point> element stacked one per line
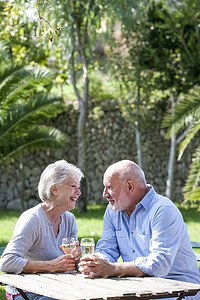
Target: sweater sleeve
<point>24,236</point>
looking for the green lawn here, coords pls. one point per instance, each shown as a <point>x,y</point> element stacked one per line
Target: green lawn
<point>90,224</point>
<point>191,217</point>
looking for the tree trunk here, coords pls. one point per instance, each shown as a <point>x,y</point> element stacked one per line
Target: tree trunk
<point>21,167</point>
<point>138,143</point>
<point>81,40</point>
<point>172,154</point>
<point>83,106</point>
<point>137,130</point>
<point>82,203</point>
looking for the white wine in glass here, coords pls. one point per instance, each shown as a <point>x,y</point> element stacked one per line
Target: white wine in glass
<point>68,244</point>
<point>87,246</point>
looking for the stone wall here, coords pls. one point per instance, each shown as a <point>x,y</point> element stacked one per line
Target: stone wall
<point>109,139</point>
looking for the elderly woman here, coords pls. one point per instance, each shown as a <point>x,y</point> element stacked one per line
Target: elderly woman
<point>36,242</point>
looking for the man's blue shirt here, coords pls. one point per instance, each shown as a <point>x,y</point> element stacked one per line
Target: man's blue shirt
<point>154,238</point>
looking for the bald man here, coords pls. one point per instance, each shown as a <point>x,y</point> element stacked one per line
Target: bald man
<point>146,229</point>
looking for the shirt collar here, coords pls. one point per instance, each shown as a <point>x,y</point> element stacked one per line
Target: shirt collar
<point>145,202</point>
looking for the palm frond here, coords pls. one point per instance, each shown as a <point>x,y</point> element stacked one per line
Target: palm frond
<point>42,137</point>
<point>39,72</point>
<point>8,72</point>
<point>194,176</point>
<point>185,112</point>
<point>24,107</point>
<point>192,195</point>
<point>29,113</point>
<point>4,50</point>
<point>194,129</point>
<point>22,84</point>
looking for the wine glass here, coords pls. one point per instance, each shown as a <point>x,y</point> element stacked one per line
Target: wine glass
<point>87,246</point>
<point>68,244</point>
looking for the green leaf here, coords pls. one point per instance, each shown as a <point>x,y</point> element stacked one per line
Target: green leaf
<point>36,138</point>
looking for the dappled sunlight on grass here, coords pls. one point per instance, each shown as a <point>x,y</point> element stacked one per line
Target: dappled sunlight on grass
<point>2,293</point>
<point>191,216</point>
<point>8,220</point>
<point>90,223</point>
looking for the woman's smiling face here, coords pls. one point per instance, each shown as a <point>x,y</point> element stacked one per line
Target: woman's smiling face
<point>68,192</point>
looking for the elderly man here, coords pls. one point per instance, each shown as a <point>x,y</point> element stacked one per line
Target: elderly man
<point>146,229</point>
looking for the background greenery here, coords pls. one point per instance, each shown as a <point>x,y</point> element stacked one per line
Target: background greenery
<point>90,224</point>
<point>151,55</point>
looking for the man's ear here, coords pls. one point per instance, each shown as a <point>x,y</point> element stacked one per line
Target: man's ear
<point>130,185</point>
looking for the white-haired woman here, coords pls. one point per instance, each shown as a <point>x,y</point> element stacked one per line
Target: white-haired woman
<point>36,242</point>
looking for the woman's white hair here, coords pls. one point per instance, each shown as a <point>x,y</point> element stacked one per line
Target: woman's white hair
<point>56,173</point>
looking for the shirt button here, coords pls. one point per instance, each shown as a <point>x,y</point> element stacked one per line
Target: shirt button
<point>133,251</point>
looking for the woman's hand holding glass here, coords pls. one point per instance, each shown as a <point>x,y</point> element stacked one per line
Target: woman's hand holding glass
<point>68,244</point>
<point>71,248</point>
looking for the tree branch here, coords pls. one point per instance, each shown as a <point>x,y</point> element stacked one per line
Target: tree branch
<point>41,18</point>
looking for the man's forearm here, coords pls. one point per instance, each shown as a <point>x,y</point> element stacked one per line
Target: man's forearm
<point>126,269</point>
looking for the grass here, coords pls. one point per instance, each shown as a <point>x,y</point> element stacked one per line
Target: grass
<point>7,223</point>
<point>191,216</point>
<point>90,224</point>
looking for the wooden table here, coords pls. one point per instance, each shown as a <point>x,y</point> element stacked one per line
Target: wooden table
<point>76,287</point>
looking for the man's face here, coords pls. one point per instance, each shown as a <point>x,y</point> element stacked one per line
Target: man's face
<point>115,192</point>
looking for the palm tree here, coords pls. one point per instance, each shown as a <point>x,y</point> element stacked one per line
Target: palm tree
<point>24,108</point>
<point>187,116</point>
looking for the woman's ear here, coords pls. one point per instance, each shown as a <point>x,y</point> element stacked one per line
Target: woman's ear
<point>54,190</point>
